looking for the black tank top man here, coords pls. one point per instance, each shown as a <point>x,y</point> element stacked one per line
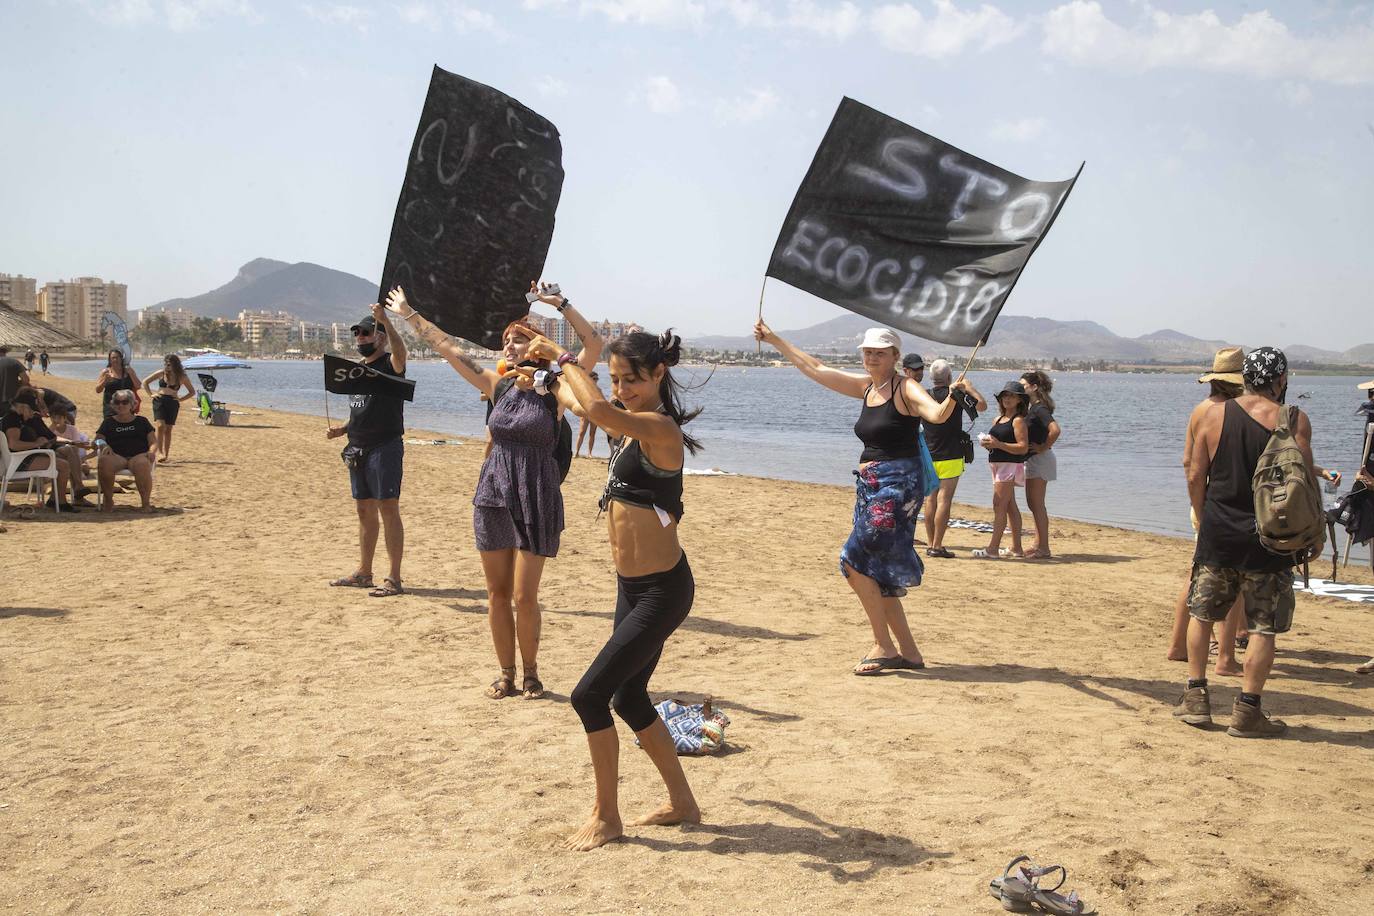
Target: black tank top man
<point>374,419</point>
<point>1226,534</point>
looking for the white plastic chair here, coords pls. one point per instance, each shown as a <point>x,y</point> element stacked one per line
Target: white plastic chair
<point>9,465</point>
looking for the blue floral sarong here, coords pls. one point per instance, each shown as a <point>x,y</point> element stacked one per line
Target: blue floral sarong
<point>887,499</point>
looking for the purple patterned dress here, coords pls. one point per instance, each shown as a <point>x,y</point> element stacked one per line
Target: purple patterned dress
<point>518,503</point>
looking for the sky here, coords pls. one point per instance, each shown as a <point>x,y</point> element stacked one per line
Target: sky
<point>1228,191</point>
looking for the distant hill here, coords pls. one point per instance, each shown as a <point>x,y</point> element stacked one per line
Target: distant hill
<point>1022,337</point>
<point>308,291</point>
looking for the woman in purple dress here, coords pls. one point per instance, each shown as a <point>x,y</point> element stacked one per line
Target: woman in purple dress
<point>518,506</point>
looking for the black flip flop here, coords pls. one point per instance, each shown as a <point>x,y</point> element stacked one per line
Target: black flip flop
<point>895,663</point>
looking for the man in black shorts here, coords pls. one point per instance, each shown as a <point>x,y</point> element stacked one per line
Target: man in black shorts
<point>375,453</point>
<point>13,376</point>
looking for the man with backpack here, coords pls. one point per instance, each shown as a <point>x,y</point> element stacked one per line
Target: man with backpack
<point>1252,485</point>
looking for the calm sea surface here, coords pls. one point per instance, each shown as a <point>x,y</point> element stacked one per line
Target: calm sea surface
<point>1118,456</point>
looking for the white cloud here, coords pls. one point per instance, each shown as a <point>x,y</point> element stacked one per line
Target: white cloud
<point>649,12</point>
<point>469,19</point>
<point>903,27</point>
<point>1256,44</point>
<point>659,94</point>
<point>838,21</point>
<point>420,14</point>
<point>1294,94</point>
<point>550,86</point>
<point>340,14</point>
<point>1023,130</point>
<point>177,15</point>
<point>755,105</point>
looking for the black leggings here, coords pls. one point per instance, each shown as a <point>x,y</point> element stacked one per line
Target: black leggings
<point>647,611</point>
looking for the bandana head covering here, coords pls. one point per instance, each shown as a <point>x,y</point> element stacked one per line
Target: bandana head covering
<point>1263,366</point>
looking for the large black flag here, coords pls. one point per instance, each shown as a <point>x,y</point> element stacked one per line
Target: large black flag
<point>343,376</point>
<point>475,215</point>
<point>895,224</point>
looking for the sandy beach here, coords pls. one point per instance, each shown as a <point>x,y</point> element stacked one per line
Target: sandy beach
<point>191,721</point>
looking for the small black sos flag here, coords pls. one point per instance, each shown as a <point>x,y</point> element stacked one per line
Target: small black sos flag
<point>475,215</point>
<point>895,224</point>
<point>343,376</point>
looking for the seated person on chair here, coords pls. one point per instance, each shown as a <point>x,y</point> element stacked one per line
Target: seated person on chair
<point>75,448</point>
<point>24,431</point>
<point>131,444</point>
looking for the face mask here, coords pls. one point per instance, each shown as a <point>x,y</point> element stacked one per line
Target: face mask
<point>367,349</point>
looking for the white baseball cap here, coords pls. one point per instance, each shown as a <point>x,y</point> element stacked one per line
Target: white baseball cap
<point>877,338</point>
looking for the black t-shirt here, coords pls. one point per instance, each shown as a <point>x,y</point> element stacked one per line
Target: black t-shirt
<point>11,370</point>
<point>53,400</point>
<point>126,439</point>
<point>1038,421</point>
<point>376,418</point>
<point>12,420</point>
<point>943,439</point>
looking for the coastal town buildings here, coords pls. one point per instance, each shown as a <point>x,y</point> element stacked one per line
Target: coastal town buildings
<point>180,319</point>
<point>561,332</point>
<point>76,305</point>
<point>19,292</point>
<point>257,324</point>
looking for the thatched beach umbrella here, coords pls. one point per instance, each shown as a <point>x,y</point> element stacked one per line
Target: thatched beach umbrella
<point>19,330</point>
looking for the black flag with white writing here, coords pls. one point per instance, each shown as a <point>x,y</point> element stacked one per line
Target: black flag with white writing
<point>343,376</point>
<point>895,224</point>
<point>475,214</point>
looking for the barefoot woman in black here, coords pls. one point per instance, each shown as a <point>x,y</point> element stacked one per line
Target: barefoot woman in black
<point>643,504</point>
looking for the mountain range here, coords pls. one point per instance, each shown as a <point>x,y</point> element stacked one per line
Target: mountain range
<point>308,291</point>
<point>319,294</point>
<point>1022,337</point>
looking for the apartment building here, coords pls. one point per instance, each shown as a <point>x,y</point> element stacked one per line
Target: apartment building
<point>179,318</point>
<point>76,305</point>
<point>258,323</point>
<point>20,292</point>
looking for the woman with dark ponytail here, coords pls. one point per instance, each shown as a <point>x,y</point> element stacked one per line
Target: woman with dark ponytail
<point>643,506</point>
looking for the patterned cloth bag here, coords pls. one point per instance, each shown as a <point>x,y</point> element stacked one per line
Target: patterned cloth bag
<point>695,728</point>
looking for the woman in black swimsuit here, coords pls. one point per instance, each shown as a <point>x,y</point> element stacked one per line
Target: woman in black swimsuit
<point>171,379</point>
<point>643,505</point>
<point>116,377</point>
<point>894,475</point>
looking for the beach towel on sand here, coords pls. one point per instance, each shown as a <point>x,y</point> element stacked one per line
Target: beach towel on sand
<point>887,499</point>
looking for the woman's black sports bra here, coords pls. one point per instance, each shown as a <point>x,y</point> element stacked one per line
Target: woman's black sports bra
<point>885,431</point>
<point>635,481</point>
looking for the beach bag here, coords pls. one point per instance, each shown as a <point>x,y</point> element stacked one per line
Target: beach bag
<point>1289,517</point>
<point>562,447</point>
<point>695,728</point>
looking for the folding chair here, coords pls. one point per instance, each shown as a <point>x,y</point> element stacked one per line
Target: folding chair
<point>9,468</point>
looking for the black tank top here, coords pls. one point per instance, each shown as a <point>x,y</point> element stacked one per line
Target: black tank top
<point>885,431</point>
<point>1226,533</point>
<point>637,482</point>
<point>1004,432</point>
<point>123,383</point>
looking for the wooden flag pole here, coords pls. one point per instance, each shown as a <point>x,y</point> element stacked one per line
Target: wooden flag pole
<point>758,344</point>
<point>329,424</point>
<point>968,365</point>
<point>1350,536</point>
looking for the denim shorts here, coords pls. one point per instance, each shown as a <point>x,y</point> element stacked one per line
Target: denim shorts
<point>377,474</point>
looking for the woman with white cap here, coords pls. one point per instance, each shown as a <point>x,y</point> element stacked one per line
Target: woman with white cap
<point>894,476</point>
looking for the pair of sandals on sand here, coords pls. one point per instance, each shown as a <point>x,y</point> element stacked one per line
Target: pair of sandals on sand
<point>1020,890</point>
<point>389,588</point>
<point>531,688</point>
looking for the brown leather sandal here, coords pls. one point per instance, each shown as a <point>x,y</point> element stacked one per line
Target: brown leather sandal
<point>503,686</point>
<point>531,686</point>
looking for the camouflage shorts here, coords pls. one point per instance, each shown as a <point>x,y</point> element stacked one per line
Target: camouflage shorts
<point>1268,597</point>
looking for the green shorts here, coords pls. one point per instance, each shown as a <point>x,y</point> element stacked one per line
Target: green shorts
<point>1268,597</point>
<point>949,470</point>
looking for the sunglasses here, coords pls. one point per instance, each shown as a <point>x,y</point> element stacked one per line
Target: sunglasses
<point>359,332</point>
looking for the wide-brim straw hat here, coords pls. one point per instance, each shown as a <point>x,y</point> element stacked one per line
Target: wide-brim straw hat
<point>1226,367</point>
<point>1366,386</point>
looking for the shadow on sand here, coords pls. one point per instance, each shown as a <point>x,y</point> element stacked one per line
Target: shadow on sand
<point>847,854</point>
